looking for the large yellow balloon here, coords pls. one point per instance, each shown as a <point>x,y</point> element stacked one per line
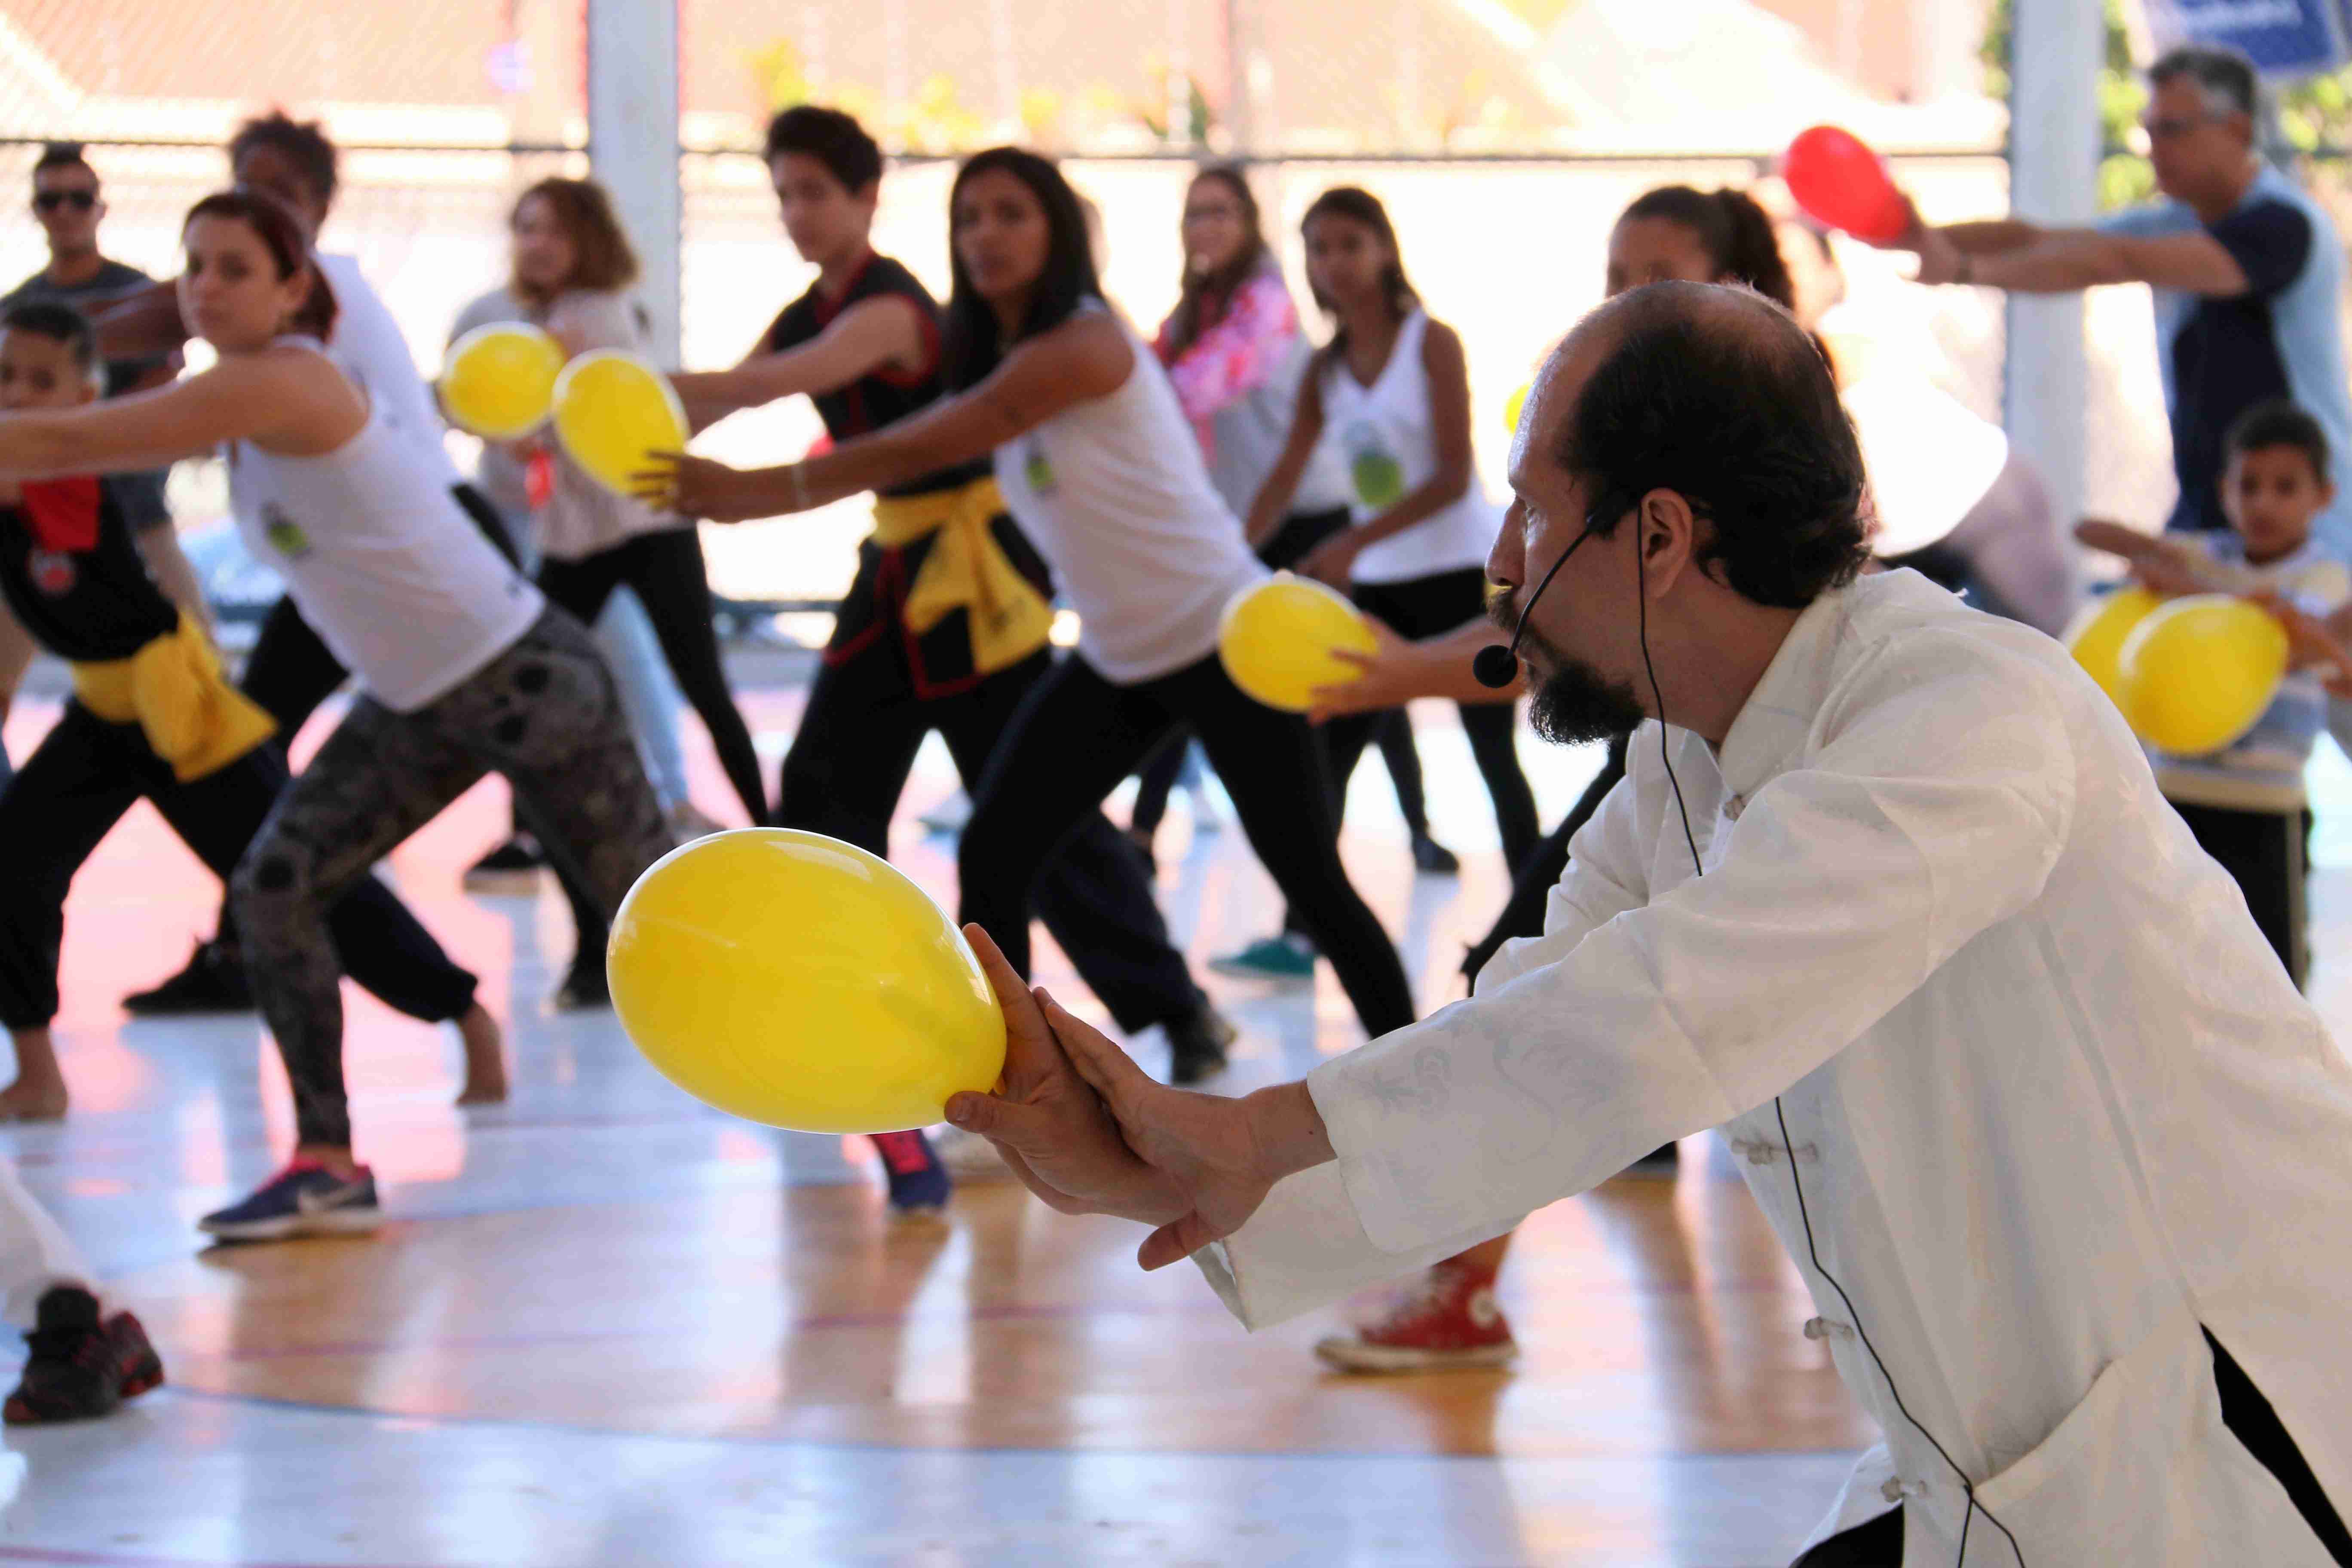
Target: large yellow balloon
<point>792,979</point>
<point>499,381</point>
<point>1280,639</point>
<point>2097,638</point>
<point>613,412</point>
<point>2197,673</point>
<point>1517,405</point>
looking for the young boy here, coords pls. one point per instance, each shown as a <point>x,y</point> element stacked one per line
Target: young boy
<point>2246,803</point>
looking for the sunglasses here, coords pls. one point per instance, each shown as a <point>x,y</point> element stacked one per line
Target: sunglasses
<point>51,201</point>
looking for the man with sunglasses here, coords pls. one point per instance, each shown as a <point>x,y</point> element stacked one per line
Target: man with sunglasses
<point>2244,266</point>
<point>66,200</point>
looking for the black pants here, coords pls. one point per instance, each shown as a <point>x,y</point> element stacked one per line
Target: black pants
<point>1532,884</point>
<point>1077,735</point>
<point>2266,853</point>
<point>849,765</point>
<point>77,783</point>
<point>1424,607</point>
<point>1300,532</point>
<point>666,571</point>
<point>2247,1412</point>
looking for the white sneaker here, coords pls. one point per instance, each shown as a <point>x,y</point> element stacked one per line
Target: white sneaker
<point>969,1157</point>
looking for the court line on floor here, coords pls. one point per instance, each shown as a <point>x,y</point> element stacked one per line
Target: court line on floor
<point>802,1445</point>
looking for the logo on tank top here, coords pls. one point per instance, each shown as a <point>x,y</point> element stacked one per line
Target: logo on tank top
<point>53,572</point>
<point>1037,470</point>
<point>285,535</point>
<point>1372,470</point>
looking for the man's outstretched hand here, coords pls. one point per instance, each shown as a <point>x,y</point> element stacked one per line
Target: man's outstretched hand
<point>1090,1132</point>
<point>1048,1123</point>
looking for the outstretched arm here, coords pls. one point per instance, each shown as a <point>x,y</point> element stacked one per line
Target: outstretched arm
<point>1401,671</point>
<point>884,334</point>
<point>1088,356</point>
<point>143,324</point>
<point>241,397</point>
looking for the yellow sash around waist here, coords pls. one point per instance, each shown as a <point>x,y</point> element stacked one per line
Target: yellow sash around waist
<point>175,690</point>
<point>967,570</point>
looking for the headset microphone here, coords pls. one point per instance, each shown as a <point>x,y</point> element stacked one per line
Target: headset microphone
<point>1495,667</point>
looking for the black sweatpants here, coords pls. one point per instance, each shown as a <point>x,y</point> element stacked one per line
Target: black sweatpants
<point>1300,532</point>
<point>1423,608</point>
<point>848,765</point>
<point>1077,735</point>
<point>666,571</point>
<point>2267,852</point>
<point>77,783</point>
<point>2245,1410</point>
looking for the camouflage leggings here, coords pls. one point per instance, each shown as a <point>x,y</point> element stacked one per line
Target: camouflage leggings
<point>543,713</point>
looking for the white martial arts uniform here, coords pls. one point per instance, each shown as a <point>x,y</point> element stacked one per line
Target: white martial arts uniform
<point>2052,1099</point>
<point>34,1255</point>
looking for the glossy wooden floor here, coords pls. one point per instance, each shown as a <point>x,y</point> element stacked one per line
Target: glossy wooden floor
<point>607,1326</point>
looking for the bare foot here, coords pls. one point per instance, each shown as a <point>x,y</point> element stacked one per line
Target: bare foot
<point>24,1101</point>
<point>486,1059</point>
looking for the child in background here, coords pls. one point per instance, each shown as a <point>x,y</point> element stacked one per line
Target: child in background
<point>2246,803</point>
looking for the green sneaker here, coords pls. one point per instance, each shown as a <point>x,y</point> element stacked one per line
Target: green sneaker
<point>1288,956</point>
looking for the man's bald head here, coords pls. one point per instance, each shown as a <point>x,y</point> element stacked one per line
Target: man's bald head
<point>1714,393</point>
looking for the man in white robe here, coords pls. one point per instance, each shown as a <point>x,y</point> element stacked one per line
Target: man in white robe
<point>2061,1153</point>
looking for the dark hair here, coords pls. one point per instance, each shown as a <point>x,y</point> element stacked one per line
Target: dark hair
<point>1742,418</point>
<point>2279,422</point>
<point>970,348</point>
<point>1736,234</point>
<point>281,235</point>
<point>2223,73</point>
<point>59,322</point>
<point>304,144</point>
<point>602,258</point>
<point>832,139</point>
<point>62,155</point>
<point>1203,301</point>
<point>1360,206</point>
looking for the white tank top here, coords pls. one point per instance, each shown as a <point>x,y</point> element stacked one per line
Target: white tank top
<point>383,562</point>
<point>1115,494</point>
<point>367,339</point>
<point>1386,440</point>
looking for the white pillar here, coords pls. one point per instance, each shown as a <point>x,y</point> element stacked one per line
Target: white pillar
<point>633,144</point>
<point>2054,135</point>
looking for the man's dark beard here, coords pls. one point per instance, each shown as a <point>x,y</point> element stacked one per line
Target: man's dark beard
<point>1576,703</point>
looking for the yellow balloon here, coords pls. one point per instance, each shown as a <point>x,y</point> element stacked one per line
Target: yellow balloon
<point>792,979</point>
<point>2097,638</point>
<point>2197,673</point>
<point>613,412</point>
<point>499,381</point>
<point>1515,407</point>
<point>1280,639</point>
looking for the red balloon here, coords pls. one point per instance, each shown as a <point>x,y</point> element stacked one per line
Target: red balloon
<point>1840,182</point>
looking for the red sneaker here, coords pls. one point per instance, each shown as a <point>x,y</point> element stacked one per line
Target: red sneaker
<point>1447,1321</point>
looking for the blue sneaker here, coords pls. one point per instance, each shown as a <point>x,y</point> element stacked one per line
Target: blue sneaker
<point>1288,957</point>
<point>919,1183</point>
<point>303,1199</point>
